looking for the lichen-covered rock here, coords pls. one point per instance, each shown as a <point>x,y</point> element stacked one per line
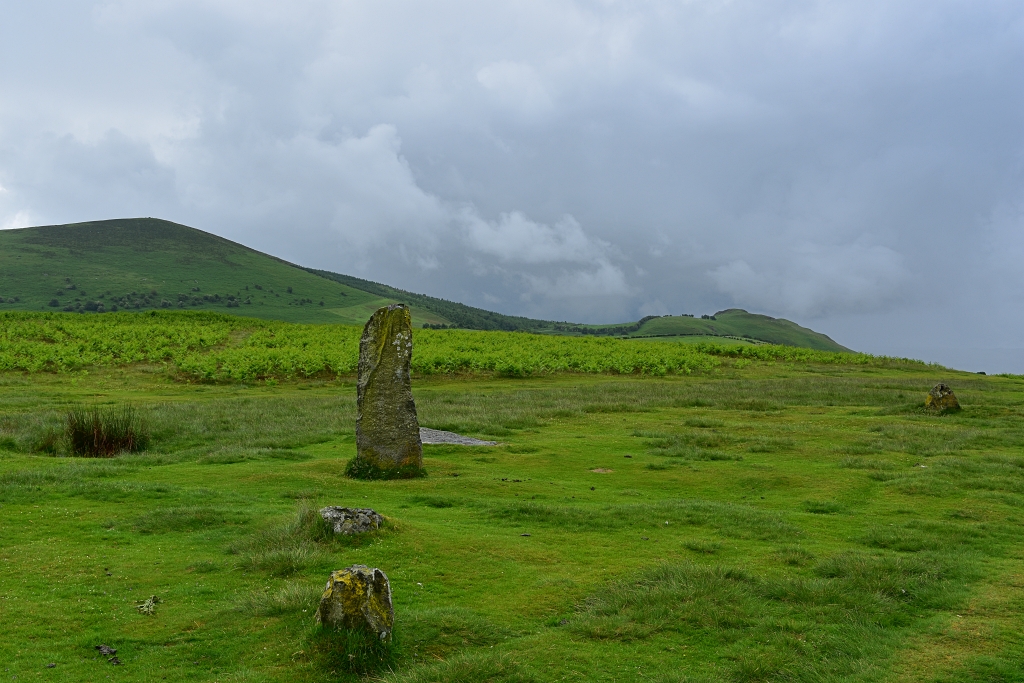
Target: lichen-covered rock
<point>358,598</point>
<point>387,430</point>
<point>350,521</point>
<point>941,398</point>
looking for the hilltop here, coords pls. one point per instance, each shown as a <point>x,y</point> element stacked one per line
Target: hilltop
<point>148,263</point>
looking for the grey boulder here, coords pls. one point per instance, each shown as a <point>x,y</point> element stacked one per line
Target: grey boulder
<point>350,521</point>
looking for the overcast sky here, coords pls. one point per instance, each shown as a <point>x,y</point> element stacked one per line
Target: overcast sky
<point>855,166</point>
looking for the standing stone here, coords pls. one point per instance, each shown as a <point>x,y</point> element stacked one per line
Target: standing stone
<point>941,398</point>
<point>387,431</point>
<point>358,598</point>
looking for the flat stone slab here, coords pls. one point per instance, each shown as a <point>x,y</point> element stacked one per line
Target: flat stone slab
<point>436,436</point>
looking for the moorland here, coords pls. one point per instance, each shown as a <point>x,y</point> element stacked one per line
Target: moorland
<point>654,511</point>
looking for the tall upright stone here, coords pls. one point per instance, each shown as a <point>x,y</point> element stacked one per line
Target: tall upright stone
<point>387,431</point>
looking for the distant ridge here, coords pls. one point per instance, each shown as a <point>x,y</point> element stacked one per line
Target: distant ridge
<point>149,263</point>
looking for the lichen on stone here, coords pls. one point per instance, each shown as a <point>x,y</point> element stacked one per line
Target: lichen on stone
<point>387,429</point>
<point>942,399</point>
<point>358,597</point>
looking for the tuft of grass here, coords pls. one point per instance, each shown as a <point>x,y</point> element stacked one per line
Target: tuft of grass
<point>352,651</point>
<point>294,598</point>
<point>291,548</point>
<point>103,433</point>
<point>795,556</point>
<point>468,668</point>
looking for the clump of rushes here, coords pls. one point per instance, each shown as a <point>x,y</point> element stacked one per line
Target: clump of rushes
<point>103,433</point>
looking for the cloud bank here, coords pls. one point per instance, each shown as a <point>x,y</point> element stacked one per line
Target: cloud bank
<point>856,166</point>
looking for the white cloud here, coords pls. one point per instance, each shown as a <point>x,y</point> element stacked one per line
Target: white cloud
<point>19,219</point>
<point>812,280</point>
<point>514,237</point>
<point>516,86</point>
<point>604,279</point>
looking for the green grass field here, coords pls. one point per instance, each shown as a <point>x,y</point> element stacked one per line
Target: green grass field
<point>757,520</point>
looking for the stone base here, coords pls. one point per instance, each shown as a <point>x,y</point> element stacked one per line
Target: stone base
<point>359,468</point>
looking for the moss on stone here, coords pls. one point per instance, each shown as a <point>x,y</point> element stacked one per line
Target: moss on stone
<point>387,429</point>
<point>358,598</point>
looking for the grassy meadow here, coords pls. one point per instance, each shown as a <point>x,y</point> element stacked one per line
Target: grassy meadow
<point>752,518</point>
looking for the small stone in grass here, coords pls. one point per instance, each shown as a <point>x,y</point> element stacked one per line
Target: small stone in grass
<point>349,521</point>
<point>358,597</point>
<point>524,534</point>
<point>941,398</point>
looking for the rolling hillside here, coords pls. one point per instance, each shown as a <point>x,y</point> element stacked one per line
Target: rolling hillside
<point>736,322</point>
<point>145,263</point>
<point>148,263</point>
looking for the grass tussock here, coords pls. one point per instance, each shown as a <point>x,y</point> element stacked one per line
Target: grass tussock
<point>468,668</point>
<point>305,541</point>
<point>105,432</point>
<point>350,651</point>
<point>294,598</point>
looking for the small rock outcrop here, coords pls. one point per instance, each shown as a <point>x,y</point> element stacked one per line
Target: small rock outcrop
<point>351,521</point>
<point>387,430</point>
<point>941,398</point>
<point>358,598</point>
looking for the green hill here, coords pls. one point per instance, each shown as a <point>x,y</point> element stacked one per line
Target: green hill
<point>735,322</point>
<point>147,263</point>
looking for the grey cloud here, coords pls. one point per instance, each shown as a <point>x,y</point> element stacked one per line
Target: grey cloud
<point>591,161</point>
